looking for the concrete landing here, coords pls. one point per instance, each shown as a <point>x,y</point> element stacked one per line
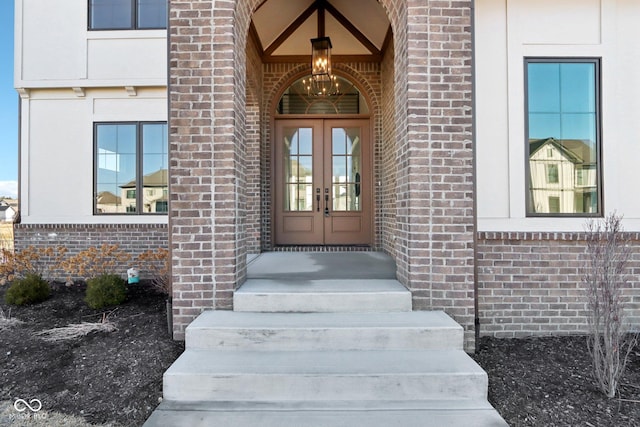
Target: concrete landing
<point>321,265</point>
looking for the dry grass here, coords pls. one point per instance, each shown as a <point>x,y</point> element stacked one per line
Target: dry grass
<point>6,238</point>
<point>76,330</point>
<point>6,235</point>
<point>6,321</point>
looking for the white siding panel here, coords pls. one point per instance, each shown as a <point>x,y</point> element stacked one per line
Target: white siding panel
<point>492,110</point>
<point>621,103</point>
<point>127,59</point>
<point>60,150</point>
<point>53,39</point>
<point>558,21</point>
<point>143,109</point>
<point>57,181</point>
<point>606,29</point>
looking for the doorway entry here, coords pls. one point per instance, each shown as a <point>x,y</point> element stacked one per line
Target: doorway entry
<point>323,182</point>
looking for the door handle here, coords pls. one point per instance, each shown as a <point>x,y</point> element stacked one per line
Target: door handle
<point>326,202</point>
<point>318,199</point>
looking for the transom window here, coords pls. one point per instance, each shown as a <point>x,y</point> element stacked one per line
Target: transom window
<point>127,14</point>
<point>342,97</point>
<point>131,168</point>
<point>563,136</point>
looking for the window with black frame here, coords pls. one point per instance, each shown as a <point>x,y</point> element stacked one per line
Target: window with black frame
<point>127,14</point>
<point>563,137</point>
<point>131,168</point>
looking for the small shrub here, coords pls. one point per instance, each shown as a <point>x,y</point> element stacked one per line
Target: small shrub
<point>105,290</point>
<point>30,289</point>
<point>606,275</point>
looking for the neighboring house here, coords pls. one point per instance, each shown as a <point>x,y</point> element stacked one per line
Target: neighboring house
<point>470,140</point>
<point>563,177</point>
<point>154,193</point>
<point>7,213</point>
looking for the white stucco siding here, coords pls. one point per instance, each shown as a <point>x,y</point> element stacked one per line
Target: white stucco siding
<point>506,32</point>
<point>58,150</point>
<point>54,48</point>
<point>136,58</point>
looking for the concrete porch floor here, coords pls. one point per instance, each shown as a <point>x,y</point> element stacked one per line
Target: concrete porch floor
<point>321,266</point>
<point>321,282</point>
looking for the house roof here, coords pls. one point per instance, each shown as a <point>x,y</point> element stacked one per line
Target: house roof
<point>575,150</point>
<point>158,178</point>
<point>107,198</point>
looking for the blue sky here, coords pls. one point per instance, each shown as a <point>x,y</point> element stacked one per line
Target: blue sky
<point>8,105</point>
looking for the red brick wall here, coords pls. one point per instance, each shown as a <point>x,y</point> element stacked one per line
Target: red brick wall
<point>254,154</point>
<point>435,176</point>
<point>132,239</point>
<point>531,283</point>
<point>386,159</point>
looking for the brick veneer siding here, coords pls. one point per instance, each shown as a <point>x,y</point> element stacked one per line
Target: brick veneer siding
<point>435,209</point>
<point>432,120</point>
<point>132,239</point>
<point>531,283</point>
<point>386,181</point>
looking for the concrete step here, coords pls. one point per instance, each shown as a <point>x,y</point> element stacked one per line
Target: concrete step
<point>222,330</point>
<point>209,375</point>
<point>298,295</point>
<point>432,413</point>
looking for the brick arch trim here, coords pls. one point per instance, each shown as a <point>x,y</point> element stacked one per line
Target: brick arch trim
<point>361,83</point>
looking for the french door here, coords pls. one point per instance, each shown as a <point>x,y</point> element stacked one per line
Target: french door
<point>322,182</point>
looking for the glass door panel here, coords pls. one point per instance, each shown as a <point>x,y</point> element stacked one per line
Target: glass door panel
<point>346,169</point>
<point>298,174</point>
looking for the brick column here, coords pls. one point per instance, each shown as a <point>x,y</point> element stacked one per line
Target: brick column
<point>191,159</point>
<point>435,206</point>
<point>207,153</point>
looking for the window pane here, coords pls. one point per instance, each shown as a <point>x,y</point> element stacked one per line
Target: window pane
<point>116,167</point>
<point>152,13</point>
<point>563,141</point>
<point>154,167</point>
<point>544,88</point>
<point>123,160</point>
<point>110,14</point>
<point>577,83</point>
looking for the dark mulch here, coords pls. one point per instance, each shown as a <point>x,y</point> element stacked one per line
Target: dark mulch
<point>102,377</point>
<point>548,382</point>
<point>118,376</point>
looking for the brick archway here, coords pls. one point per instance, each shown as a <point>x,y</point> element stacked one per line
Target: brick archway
<point>431,132</point>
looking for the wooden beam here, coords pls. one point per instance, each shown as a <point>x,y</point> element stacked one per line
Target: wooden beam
<point>290,29</point>
<point>302,59</point>
<point>320,7</point>
<point>352,29</point>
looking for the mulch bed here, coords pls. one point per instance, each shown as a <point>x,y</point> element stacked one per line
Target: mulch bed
<point>548,382</point>
<point>117,376</point>
<point>102,377</point>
